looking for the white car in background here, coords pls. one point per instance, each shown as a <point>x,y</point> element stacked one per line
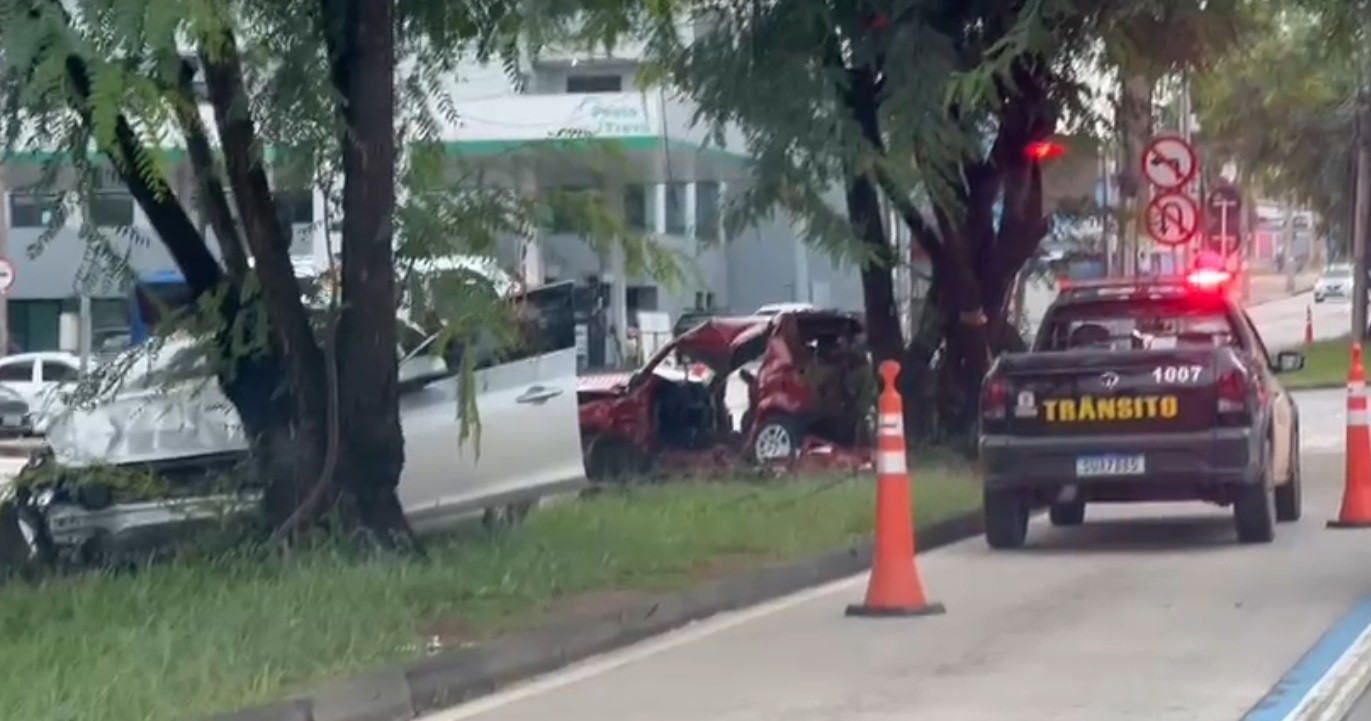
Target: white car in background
<point>1335,282</point>
<point>35,375</point>
<point>170,414</point>
<point>40,379</point>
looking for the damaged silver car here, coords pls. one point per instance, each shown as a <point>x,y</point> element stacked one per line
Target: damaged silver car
<point>164,454</point>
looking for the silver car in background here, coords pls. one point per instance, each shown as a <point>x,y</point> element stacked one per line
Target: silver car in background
<point>1335,283</point>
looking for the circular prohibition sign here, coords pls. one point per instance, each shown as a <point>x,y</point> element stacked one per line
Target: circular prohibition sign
<point>1173,218</point>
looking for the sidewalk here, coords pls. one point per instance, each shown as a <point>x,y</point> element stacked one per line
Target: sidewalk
<point>1267,287</point>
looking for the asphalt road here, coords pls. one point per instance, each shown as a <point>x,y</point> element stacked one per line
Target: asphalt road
<point>1147,612</point>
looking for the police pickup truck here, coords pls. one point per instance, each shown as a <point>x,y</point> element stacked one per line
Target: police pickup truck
<point>1140,390</point>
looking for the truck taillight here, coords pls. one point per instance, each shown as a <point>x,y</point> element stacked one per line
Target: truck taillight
<point>994,397</point>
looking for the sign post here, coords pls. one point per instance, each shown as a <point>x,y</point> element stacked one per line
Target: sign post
<point>6,283</point>
<point>1223,209</point>
<point>1170,163</point>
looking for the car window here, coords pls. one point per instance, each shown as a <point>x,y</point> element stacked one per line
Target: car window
<point>17,372</point>
<point>1141,325</point>
<point>544,320</point>
<point>55,372</point>
<point>1257,339</point>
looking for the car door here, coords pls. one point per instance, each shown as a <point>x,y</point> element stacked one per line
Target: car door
<point>1282,405</point>
<point>546,411</point>
<point>445,478</point>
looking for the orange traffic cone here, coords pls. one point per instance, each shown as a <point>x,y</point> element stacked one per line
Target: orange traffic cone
<point>1308,326</point>
<point>895,588</point>
<point>1356,499</point>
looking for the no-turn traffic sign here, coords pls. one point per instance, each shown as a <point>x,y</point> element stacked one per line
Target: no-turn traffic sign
<point>1169,162</point>
<point>1173,218</point>
<point>6,276</point>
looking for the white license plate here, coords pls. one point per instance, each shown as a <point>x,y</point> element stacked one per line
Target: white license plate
<point>12,420</point>
<point>1111,465</point>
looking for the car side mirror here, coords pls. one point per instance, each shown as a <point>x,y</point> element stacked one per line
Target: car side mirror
<point>1289,361</point>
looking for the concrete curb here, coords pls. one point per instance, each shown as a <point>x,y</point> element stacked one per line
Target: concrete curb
<point>1283,296</point>
<point>399,693</point>
<point>1318,387</point>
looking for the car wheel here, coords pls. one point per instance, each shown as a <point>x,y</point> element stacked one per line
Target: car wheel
<point>1006,519</point>
<point>504,518</point>
<point>1071,513</point>
<point>777,438</point>
<point>1290,497</point>
<point>26,546</point>
<point>615,461</point>
<point>1254,511</point>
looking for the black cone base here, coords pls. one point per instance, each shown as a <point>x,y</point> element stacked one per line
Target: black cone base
<point>864,611</point>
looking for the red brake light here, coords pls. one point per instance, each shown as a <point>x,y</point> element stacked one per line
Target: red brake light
<point>1209,279</point>
<point>1044,150</point>
<point>994,394</point>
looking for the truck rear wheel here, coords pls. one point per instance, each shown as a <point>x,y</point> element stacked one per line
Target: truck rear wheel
<point>1006,519</point>
<point>1254,513</point>
<point>1290,497</point>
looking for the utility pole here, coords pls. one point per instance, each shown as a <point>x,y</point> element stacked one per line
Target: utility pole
<point>1288,244</point>
<point>4,254</point>
<point>1362,206</point>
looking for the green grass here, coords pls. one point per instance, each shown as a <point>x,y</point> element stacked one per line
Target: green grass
<point>1325,364</point>
<point>185,639</point>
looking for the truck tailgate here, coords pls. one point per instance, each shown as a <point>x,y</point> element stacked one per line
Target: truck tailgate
<point>1088,393</point>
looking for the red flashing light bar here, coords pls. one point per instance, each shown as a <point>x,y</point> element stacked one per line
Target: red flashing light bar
<point>1209,278</point>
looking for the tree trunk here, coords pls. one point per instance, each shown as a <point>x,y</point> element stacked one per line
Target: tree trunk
<point>367,373</point>
<point>878,285</point>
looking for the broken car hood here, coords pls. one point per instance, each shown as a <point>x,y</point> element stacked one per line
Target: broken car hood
<point>189,420</point>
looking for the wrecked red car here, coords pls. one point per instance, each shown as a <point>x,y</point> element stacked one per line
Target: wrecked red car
<point>808,390</point>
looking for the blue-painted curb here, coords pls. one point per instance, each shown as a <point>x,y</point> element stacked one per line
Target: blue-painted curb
<point>1317,662</point>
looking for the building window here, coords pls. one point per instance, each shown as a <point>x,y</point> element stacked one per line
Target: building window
<point>568,208</point>
<point>595,83</point>
<point>34,325</point>
<point>704,300</point>
<point>707,211</point>
<point>676,208</point>
<point>33,210</point>
<point>110,209</point>
<point>637,211</point>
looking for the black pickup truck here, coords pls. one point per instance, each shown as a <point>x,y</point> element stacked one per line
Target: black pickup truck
<point>1135,391</point>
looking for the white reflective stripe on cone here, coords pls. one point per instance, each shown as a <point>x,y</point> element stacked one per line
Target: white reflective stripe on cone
<point>891,425</point>
<point>1356,390</point>
<point>891,462</point>
<point>1357,417</point>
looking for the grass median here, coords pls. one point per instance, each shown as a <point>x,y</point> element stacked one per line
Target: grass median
<point>1325,365</point>
<point>193,637</point>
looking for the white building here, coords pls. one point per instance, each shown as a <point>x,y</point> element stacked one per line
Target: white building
<point>579,121</point>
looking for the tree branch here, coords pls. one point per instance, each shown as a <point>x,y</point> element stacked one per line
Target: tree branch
<point>214,201</point>
<point>247,174</point>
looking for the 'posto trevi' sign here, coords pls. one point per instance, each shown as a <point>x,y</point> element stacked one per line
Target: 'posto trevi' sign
<point>612,116</point>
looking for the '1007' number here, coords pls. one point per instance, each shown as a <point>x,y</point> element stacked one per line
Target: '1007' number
<point>1177,374</point>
